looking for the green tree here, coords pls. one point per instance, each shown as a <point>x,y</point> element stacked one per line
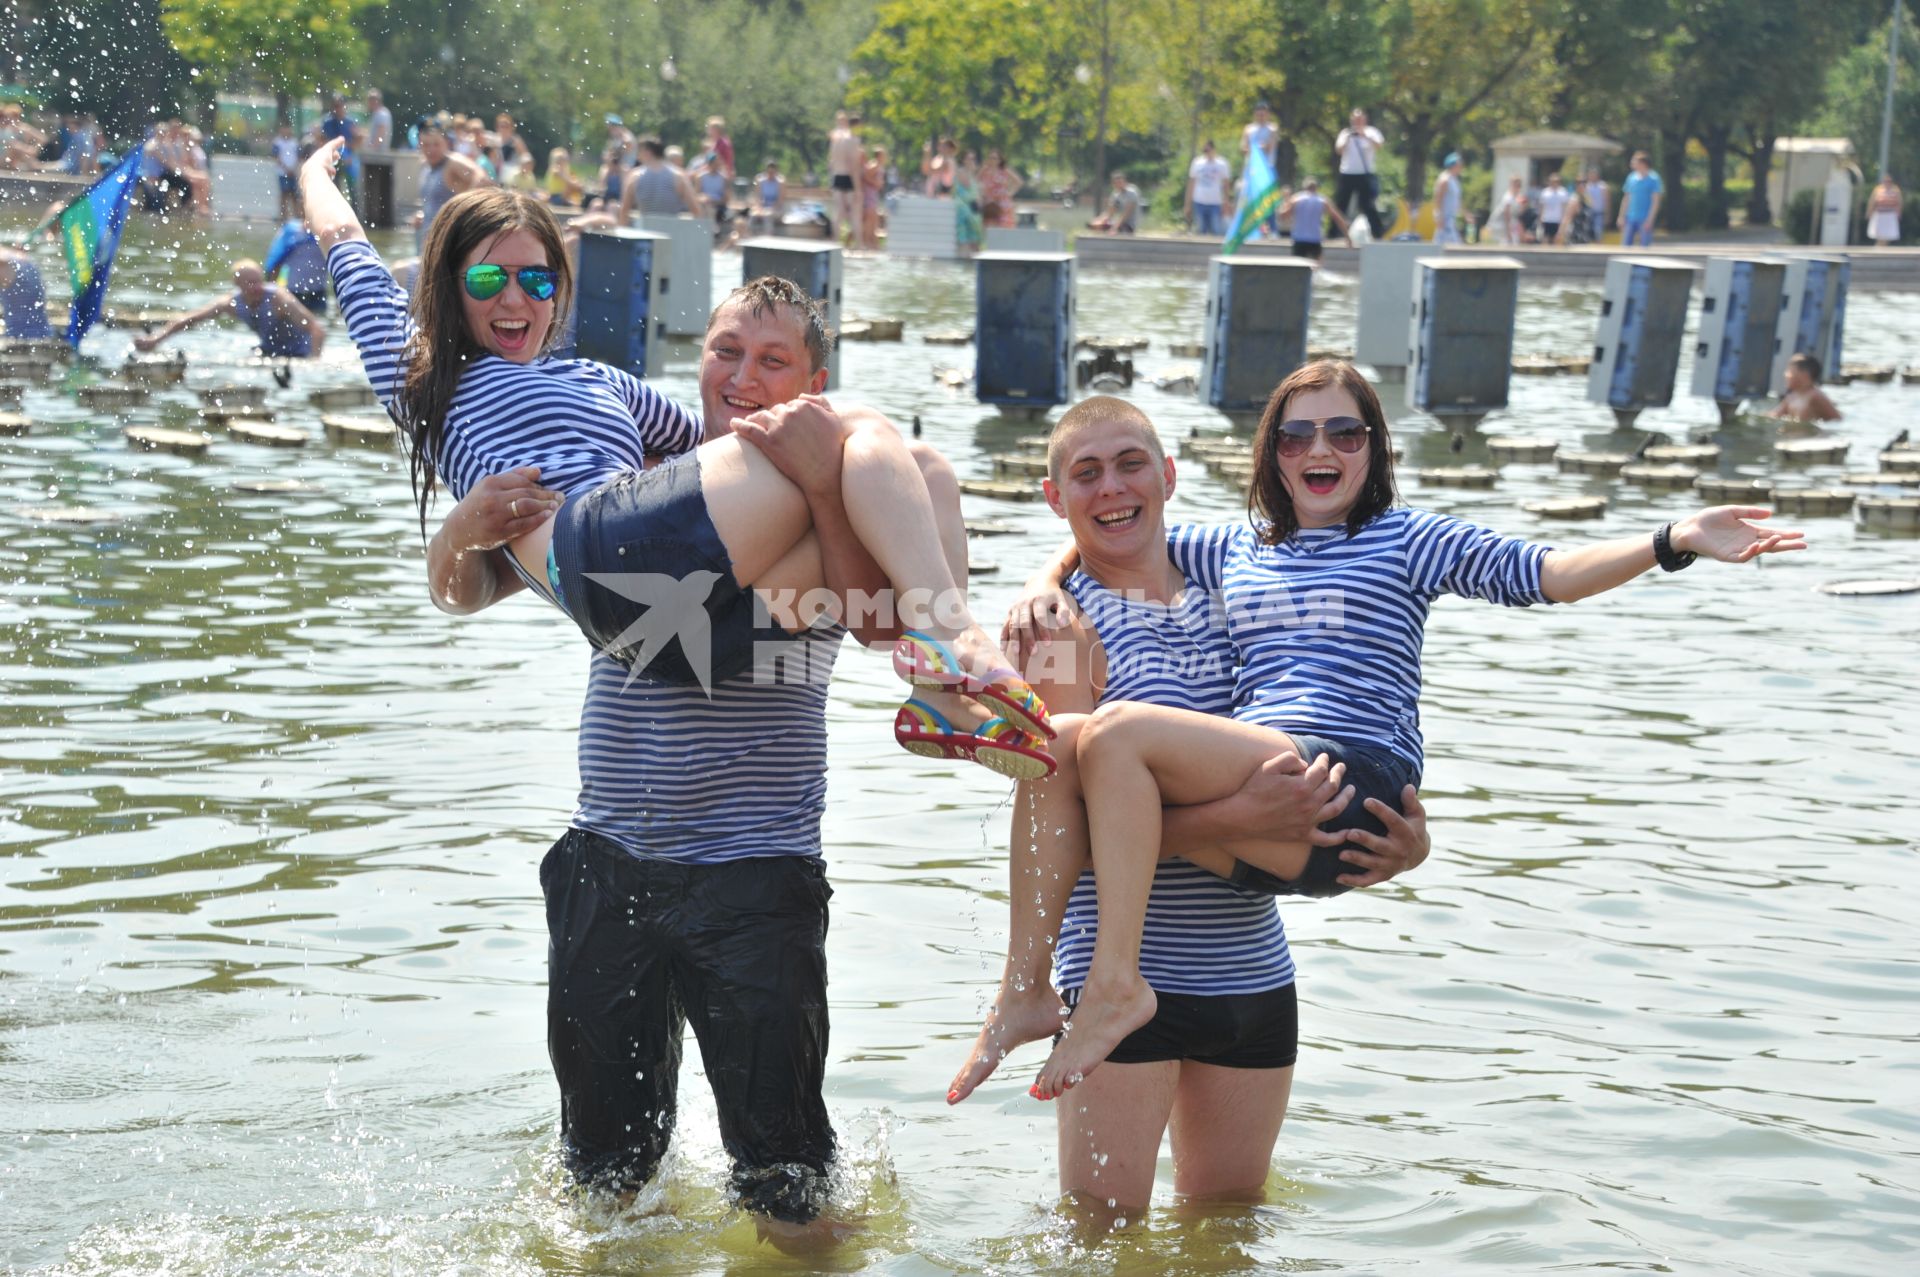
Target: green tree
<point>1856,96</point>
<point>1329,57</point>
<point>288,46</point>
<point>107,57</point>
<point>1000,70</point>
<point>1453,64</point>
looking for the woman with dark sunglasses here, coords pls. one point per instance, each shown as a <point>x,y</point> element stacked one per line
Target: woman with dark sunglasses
<point>1326,597</point>
<point>467,377</point>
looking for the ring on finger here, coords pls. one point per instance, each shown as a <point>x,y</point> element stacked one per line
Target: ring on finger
<point>513,507</point>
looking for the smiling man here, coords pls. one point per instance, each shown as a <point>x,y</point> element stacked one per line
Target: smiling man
<point>690,886</point>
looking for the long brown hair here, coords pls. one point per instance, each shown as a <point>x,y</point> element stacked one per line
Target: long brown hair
<point>441,347</point>
<point>1268,501</point>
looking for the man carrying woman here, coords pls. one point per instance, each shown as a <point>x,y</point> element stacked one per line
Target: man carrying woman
<point>690,887</point>
<point>1217,1059</point>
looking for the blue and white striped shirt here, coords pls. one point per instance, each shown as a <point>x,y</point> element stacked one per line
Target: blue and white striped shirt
<point>1203,935</point>
<point>581,422</point>
<point>1328,628</point>
<point>664,771</point>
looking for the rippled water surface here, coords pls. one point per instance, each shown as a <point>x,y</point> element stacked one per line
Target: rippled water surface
<point>272,959</point>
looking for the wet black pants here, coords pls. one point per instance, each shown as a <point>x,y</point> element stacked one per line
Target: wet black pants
<point>636,949</point>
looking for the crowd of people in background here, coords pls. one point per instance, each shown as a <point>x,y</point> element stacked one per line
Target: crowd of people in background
<point>633,173</point>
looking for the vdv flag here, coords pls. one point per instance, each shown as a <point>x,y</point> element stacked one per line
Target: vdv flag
<point>1259,197</point>
<point>90,232</point>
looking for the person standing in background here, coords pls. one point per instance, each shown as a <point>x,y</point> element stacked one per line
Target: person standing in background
<point>1207,180</point>
<point>1357,146</point>
<point>336,124</point>
<point>1306,213</point>
<point>1555,202</point>
<point>1883,212</point>
<point>1264,136</point>
<point>286,156</point>
<point>1640,197</point>
<point>443,175</point>
<point>1446,201</point>
<point>843,169</point>
<point>1595,198</point>
<point>998,185</point>
<point>379,123</point>
<point>720,146</point>
<point>873,187</point>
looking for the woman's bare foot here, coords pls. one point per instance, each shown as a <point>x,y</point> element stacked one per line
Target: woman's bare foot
<point>1023,1011</point>
<point>1103,1016</point>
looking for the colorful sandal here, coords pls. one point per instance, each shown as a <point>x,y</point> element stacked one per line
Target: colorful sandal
<point>925,661</point>
<point>996,744</point>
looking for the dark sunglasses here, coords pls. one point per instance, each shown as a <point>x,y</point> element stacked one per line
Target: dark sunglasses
<point>1344,434</point>
<point>487,281</point>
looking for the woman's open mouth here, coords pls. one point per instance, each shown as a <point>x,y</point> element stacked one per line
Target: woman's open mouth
<point>1320,480</point>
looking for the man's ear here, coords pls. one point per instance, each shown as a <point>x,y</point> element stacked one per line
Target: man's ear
<point>818,382</point>
<point>1054,500</point>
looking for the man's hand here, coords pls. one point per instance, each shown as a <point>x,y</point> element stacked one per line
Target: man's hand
<point>803,438</point>
<point>498,509</point>
<point>1286,800</point>
<point>1404,847</point>
<point>145,342</point>
<point>1043,609</point>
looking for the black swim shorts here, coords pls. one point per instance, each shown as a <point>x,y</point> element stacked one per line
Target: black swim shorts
<point>644,543</point>
<point>637,949</point>
<point>1373,773</point>
<point>1231,1030</point>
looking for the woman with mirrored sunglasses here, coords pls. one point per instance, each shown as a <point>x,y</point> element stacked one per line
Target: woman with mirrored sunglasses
<point>464,370</point>
<point>1326,593</point>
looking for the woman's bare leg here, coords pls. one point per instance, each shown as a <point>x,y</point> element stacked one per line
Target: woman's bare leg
<point>1046,851</point>
<point>1132,758</point>
<point>760,516</point>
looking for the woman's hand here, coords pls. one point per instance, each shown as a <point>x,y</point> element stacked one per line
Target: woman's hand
<point>498,509</point>
<point>325,161</point>
<point>1404,847</point>
<point>1732,534</point>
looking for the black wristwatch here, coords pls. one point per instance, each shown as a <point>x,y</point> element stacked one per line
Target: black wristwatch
<point>1669,559</point>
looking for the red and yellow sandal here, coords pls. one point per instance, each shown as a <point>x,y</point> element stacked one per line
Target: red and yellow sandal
<point>995,744</point>
<point>925,661</point>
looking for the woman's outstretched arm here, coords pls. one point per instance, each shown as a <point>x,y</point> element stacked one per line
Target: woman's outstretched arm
<point>1729,533</point>
<point>328,213</point>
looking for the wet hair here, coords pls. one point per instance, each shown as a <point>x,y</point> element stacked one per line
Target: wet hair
<point>654,145</point>
<point>441,347</point>
<point>765,295</point>
<point>1099,410</point>
<point>1268,501</point>
<point>1809,364</point>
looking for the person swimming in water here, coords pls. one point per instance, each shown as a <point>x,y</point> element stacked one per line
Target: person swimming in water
<point>1801,398</point>
<point>285,328</point>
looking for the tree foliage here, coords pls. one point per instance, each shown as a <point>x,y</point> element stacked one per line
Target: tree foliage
<point>290,47</point>
<point>1086,85</point>
<point>104,56</point>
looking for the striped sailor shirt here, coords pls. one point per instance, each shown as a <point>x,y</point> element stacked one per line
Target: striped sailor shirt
<point>1203,935</point>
